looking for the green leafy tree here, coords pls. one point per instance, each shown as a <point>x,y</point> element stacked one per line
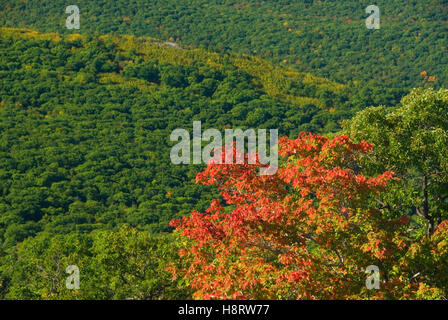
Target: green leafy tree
<point>410,140</point>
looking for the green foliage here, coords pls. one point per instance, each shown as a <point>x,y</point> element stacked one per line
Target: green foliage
<point>328,38</point>
<point>85,123</point>
<point>126,264</point>
<point>85,126</point>
<point>410,140</point>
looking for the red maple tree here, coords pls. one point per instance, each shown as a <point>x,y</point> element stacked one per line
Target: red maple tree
<point>307,232</point>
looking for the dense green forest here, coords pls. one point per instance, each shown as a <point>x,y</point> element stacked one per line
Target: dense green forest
<point>85,125</point>
<point>86,116</point>
<point>327,38</point>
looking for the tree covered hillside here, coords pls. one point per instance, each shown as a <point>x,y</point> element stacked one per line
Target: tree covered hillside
<point>86,178</point>
<point>85,125</point>
<point>327,38</point>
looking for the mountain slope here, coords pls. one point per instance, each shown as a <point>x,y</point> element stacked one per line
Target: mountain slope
<point>327,38</point>
<point>85,125</point>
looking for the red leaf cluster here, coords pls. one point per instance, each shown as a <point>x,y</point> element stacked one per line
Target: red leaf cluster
<point>308,231</point>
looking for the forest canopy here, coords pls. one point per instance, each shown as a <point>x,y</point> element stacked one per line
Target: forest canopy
<point>327,38</point>
<point>85,171</point>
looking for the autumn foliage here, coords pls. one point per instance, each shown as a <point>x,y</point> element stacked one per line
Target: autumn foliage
<point>307,232</point>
